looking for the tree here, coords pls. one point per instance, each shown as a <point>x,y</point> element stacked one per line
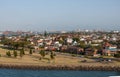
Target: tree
<point>15,53</point>
<point>61,41</point>
<point>118,43</point>
<point>45,33</point>
<point>117,55</point>
<point>3,37</point>
<point>42,53</point>
<point>7,42</point>
<point>16,45</point>
<point>21,53</point>
<point>22,44</point>
<point>8,54</point>
<point>30,52</point>
<point>52,55</point>
<point>76,39</point>
<point>82,44</point>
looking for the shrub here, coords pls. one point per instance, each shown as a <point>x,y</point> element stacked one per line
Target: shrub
<point>117,55</point>
<point>15,53</point>
<point>73,55</point>
<point>8,54</point>
<point>101,57</point>
<point>52,55</point>
<point>21,53</point>
<point>30,52</point>
<point>42,53</point>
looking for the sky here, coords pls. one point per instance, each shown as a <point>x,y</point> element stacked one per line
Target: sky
<point>53,15</point>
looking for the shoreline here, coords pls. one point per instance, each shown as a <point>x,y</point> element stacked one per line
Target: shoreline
<point>61,67</point>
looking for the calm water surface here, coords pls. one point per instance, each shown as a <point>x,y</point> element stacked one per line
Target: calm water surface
<point>54,73</point>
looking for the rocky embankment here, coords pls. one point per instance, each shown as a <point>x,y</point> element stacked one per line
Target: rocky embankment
<point>61,67</point>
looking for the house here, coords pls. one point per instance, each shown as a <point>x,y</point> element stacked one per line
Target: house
<point>69,40</point>
<point>97,41</point>
<point>48,41</point>
<point>95,53</point>
<point>50,48</point>
<point>63,48</point>
<point>82,39</point>
<point>111,50</point>
<point>89,52</point>
<point>36,48</point>
<point>40,42</point>
<point>75,43</point>
<point>57,44</point>
<point>74,50</point>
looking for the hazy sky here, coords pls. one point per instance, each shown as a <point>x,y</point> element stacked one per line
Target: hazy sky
<point>59,14</point>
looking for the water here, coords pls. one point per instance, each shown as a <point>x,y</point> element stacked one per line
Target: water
<point>53,73</point>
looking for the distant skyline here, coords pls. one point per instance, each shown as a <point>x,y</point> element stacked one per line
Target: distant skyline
<point>53,15</point>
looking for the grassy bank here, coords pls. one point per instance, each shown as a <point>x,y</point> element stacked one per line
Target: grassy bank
<point>62,61</point>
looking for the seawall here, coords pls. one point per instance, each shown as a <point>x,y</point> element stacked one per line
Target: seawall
<point>61,67</point>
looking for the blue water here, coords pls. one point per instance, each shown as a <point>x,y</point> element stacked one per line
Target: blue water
<point>53,73</point>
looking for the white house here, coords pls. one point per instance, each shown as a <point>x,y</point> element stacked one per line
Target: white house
<point>69,40</point>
